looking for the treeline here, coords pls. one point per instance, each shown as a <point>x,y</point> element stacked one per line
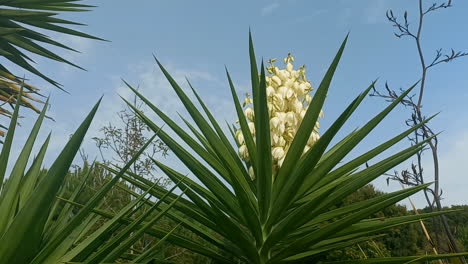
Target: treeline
<point>405,240</point>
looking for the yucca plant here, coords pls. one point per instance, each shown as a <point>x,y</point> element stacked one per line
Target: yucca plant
<point>279,213</point>
<point>19,32</point>
<point>36,229</point>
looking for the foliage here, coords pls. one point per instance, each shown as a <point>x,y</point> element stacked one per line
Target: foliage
<point>457,223</point>
<point>90,179</point>
<point>462,234</point>
<point>22,29</point>
<point>287,215</point>
<point>27,197</point>
<point>36,228</point>
<point>405,240</point>
<point>94,178</point>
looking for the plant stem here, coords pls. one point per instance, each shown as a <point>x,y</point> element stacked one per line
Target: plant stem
<point>426,134</point>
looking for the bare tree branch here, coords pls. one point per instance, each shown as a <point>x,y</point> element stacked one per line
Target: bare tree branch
<point>414,175</point>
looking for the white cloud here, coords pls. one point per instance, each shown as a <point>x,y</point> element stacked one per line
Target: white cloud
<point>313,14</point>
<point>268,9</point>
<point>154,86</point>
<point>375,12</point>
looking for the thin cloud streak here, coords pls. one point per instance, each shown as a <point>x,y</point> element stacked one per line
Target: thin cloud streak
<point>268,10</point>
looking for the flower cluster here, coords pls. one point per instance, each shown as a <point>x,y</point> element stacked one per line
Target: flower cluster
<point>288,97</point>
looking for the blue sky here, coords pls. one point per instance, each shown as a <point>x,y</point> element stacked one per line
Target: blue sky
<point>198,38</point>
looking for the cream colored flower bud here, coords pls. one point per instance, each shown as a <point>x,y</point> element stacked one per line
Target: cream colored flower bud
<point>302,89</point>
<point>277,140</point>
<point>317,136</point>
<point>278,103</point>
<point>249,113</point>
<point>296,74</point>
<point>289,67</point>
<point>248,100</point>
<point>244,152</point>
<point>281,127</point>
<point>296,85</point>
<point>239,137</point>
<point>274,122</point>
<point>302,114</point>
<point>298,106</point>
<point>274,138</point>
<point>251,173</point>
<point>280,115</point>
<point>290,93</point>
<point>314,136</point>
<point>270,108</point>
<point>290,133</point>
<point>252,128</point>
<point>280,162</point>
<point>291,118</point>
<point>275,70</point>
<point>308,98</point>
<point>270,91</point>
<point>311,139</point>
<point>284,75</point>
<point>277,153</point>
<point>280,141</point>
<point>282,91</point>
<point>276,80</point>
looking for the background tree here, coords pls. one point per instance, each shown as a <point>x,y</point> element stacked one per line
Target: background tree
<point>400,241</point>
<point>22,27</point>
<point>123,140</point>
<point>414,175</point>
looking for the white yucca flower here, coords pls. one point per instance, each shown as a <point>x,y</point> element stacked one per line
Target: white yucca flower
<point>288,93</point>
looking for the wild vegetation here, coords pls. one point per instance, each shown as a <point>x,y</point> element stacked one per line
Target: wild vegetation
<point>272,188</point>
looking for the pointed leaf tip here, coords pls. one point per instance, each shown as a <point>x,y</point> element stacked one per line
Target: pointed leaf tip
<point>156,59</point>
